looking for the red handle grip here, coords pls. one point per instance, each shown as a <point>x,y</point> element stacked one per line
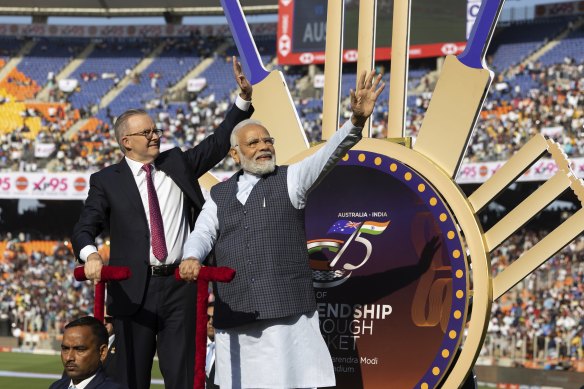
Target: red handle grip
<point>209,273</point>
<point>206,274</point>
<point>108,273</point>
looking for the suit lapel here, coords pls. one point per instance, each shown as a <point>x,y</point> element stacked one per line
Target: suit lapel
<point>127,184</point>
<point>172,165</point>
<point>97,380</point>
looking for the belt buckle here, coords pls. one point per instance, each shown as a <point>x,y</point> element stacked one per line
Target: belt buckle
<point>162,270</point>
<point>157,270</point>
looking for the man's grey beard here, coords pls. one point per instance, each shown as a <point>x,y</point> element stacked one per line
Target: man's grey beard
<point>258,168</point>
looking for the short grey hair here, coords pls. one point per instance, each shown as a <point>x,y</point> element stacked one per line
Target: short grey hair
<point>240,125</point>
<point>121,125</point>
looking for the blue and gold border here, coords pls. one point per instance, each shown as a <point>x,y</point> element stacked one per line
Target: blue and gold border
<point>451,240</point>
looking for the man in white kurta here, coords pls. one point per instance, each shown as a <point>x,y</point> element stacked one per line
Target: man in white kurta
<point>273,351</point>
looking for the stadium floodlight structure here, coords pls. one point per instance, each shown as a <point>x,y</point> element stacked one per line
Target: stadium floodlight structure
<point>128,8</point>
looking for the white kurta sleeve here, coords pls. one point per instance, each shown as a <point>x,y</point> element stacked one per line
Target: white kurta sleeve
<point>203,237</point>
<point>303,175</point>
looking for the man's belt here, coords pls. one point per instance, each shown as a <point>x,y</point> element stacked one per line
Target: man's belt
<point>162,270</point>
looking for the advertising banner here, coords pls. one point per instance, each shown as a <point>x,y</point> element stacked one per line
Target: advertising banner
<point>438,29</point>
<point>43,150</point>
<point>55,186</point>
<point>542,170</point>
<point>196,84</point>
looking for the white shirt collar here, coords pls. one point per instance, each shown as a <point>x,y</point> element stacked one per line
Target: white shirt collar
<point>83,383</point>
<point>136,167</point>
<point>248,177</point>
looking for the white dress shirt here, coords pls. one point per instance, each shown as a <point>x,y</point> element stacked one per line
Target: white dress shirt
<point>171,201</point>
<point>210,359</point>
<point>82,384</point>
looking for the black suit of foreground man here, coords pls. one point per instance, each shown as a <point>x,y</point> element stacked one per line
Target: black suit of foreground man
<point>149,202</point>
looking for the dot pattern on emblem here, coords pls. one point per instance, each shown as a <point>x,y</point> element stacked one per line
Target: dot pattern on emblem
<point>450,240</point>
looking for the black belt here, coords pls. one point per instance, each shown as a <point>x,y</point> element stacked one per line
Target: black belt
<point>162,270</point>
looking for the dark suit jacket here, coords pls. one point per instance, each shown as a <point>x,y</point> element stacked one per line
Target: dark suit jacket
<point>114,202</point>
<point>111,360</point>
<point>100,381</point>
<point>210,381</point>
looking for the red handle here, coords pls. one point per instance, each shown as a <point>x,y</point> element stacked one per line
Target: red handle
<point>206,274</point>
<point>108,273</point>
<point>210,273</point>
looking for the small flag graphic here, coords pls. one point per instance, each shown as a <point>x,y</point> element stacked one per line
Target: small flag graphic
<point>346,227</point>
<point>373,228</point>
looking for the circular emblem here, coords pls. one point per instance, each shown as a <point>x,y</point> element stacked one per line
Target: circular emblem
<point>388,266</point>
<point>80,184</point>
<point>21,183</point>
<point>306,58</point>
<point>284,45</point>
<point>449,48</point>
<point>350,55</point>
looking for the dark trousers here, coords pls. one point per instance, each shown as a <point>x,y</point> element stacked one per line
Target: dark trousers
<point>165,324</point>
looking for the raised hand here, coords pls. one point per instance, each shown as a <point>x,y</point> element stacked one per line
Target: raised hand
<point>242,81</point>
<point>363,99</point>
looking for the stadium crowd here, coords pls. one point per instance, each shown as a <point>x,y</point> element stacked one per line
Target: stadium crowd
<point>38,293</point>
<point>553,105</point>
<point>511,116</point>
<point>543,315</point>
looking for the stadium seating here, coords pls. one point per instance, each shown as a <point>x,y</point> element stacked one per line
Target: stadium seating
<point>570,47</point>
<point>515,42</point>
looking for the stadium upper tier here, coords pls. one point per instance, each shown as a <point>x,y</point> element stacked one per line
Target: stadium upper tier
<point>65,92</point>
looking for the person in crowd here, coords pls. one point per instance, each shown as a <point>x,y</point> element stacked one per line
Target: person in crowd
<point>210,359</point>
<point>83,350</point>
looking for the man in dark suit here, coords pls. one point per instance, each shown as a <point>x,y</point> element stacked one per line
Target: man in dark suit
<point>210,359</point>
<point>110,364</point>
<point>83,350</point>
<point>149,202</point>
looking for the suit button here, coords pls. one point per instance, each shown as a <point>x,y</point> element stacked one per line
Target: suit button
<point>245,212</point>
<point>246,228</point>
<point>253,280</point>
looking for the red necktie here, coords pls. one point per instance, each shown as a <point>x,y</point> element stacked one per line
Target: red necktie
<point>156,227</point>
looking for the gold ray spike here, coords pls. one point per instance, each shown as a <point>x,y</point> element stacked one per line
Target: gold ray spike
<point>545,248</point>
<point>366,43</point>
<point>452,114</point>
<point>539,199</point>
<point>333,67</point>
<point>509,172</point>
<point>559,156</point>
<point>538,254</point>
<point>400,44</point>
<point>528,208</point>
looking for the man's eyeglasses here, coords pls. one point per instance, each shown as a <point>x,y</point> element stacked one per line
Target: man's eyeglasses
<point>254,143</point>
<point>148,134</point>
